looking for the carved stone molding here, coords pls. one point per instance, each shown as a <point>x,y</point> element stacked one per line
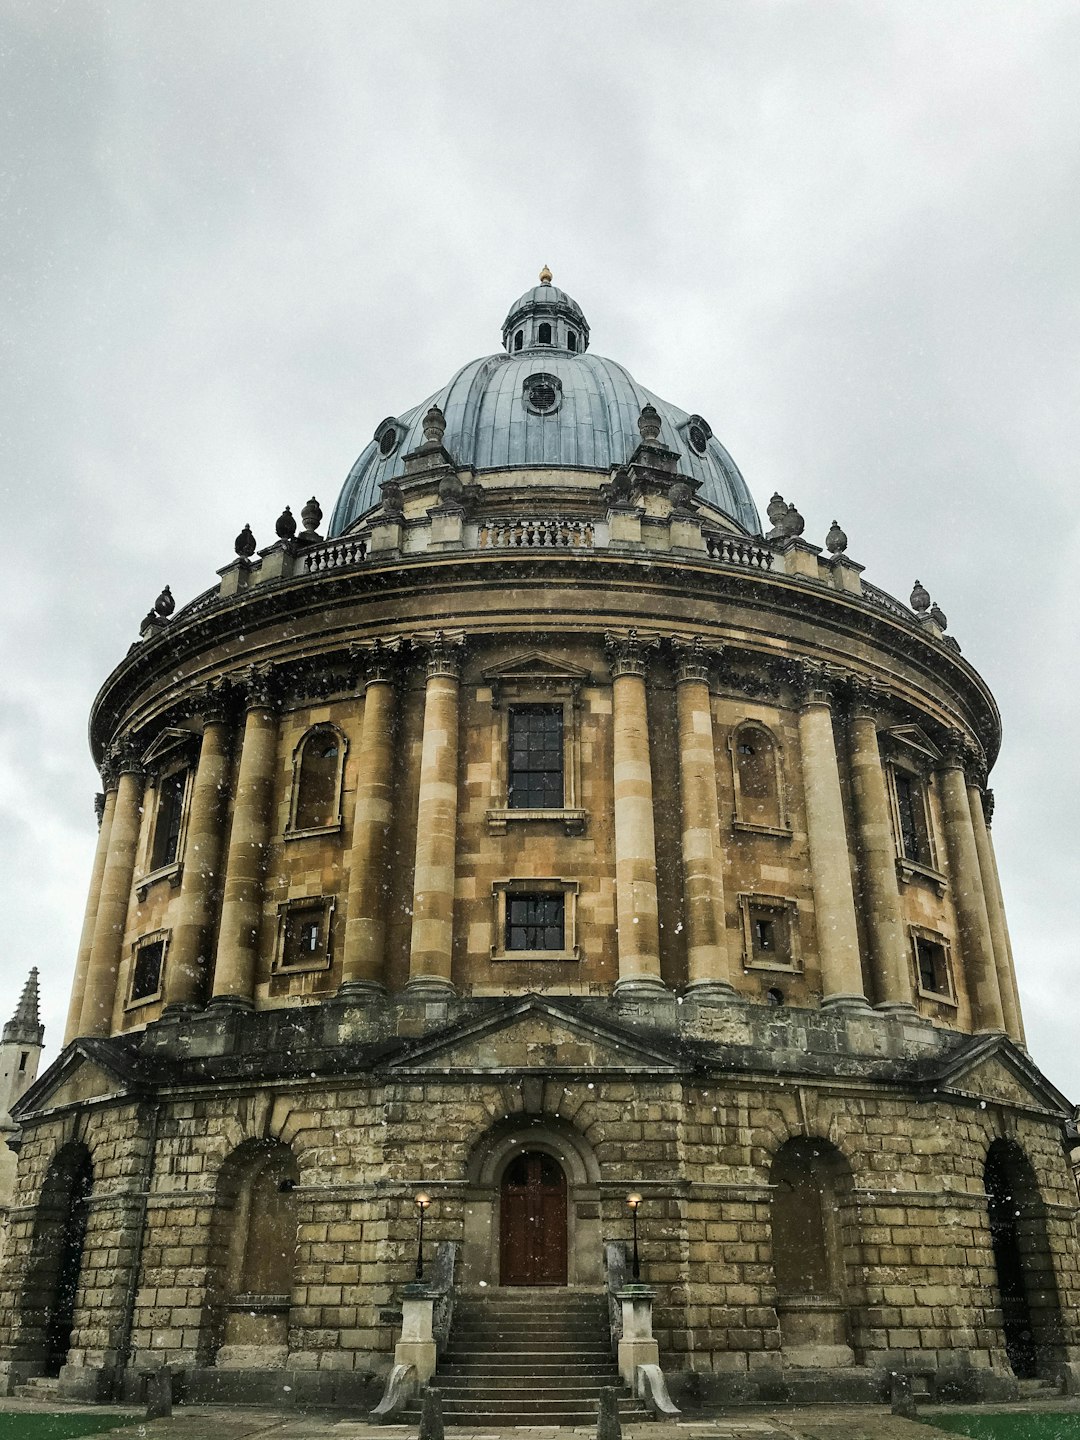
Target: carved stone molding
<point>380,662</point>
<point>694,660</point>
<point>259,687</point>
<point>214,703</point>
<point>628,654</point>
<point>443,654</point>
<point>126,757</point>
<point>863,698</point>
<point>99,807</point>
<point>988,806</point>
<point>813,682</point>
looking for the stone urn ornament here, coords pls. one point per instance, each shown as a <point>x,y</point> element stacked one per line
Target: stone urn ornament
<point>285,526</point>
<point>244,544</point>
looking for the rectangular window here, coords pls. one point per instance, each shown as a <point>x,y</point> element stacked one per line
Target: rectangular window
<point>305,935</point>
<point>167,818</point>
<point>535,922</point>
<point>536,757</point>
<point>932,966</point>
<point>770,932</point>
<point>911,810</point>
<point>23,1058</point>
<point>146,976</point>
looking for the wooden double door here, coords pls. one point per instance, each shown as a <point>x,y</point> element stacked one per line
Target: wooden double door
<point>532,1221</point>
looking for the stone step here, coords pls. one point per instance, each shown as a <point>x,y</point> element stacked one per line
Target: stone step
<point>498,1365</point>
<point>535,1412</point>
<point>597,1352</point>
<point>500,1387</point>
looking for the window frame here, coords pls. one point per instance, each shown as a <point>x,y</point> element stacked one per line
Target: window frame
<point>175,758</point>
<point>321,727</point>
<point>776,905</point>
<point>534,708</point>
<point>146,942</point>
<point>907,752</point>
<point>322,960</point>
<point>535,680</point>
<point>540,886</point>
<point>741,820</point>
<point>917,933</point>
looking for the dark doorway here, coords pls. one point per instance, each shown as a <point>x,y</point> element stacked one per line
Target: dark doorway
<point>60,1315</point>
<point>1005,1203</point>
<point>533,1221</point>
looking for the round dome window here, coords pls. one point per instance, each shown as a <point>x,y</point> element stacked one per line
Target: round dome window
<point>388,437</point>
<point>541,394</point>
<point>699,433</point>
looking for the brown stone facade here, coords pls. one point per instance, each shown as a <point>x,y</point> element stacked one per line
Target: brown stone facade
<point>544,812</point>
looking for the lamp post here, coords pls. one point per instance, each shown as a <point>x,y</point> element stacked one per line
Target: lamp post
<point>634,1202</point>
<point>422,1202</point>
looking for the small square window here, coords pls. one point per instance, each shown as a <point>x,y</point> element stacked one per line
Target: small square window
<point>769,932</point>
<point>932,973</point>
<point>304,935</point>
<point>146,971</point>
<point>535,922</point>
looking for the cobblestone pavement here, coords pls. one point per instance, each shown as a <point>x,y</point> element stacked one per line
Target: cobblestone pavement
<point>820,1422</point>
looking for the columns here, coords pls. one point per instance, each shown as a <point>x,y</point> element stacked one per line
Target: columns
<point>877,847</point>
<point>995,912</point>
<point>86,939</point>
<point>973,922</point>
<point>635,843</point>
<point>365,924</point>
<point>830,864</point>
<point>703,881</point>
<point>241,910</point>
<point>110,921</point>
<point>431,951</point>
<point>188,955</point>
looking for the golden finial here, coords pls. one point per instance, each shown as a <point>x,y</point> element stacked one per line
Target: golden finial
<point>545,276</point>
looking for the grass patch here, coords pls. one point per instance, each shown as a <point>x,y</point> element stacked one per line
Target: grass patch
<point>32,1425</point>
<point>1009,1427</point>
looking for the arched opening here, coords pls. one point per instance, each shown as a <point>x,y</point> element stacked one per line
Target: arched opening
<point>59,1242</point>
<point>532,1221</point>
<point>811,1201</point>
<point>755,762</point>
<point>543,334</point>
<point>571,339</point>
<point>1023,1261</point>
<point>519,339</point>
<point>253,1251</point>
<point>317,779</point>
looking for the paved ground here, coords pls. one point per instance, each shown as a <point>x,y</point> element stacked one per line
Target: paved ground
<point>819,1422</point>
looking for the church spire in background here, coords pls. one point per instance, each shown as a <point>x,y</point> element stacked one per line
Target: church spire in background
<point>25,1027</point>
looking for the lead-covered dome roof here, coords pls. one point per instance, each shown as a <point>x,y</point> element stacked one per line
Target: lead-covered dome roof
<point>545,402</point>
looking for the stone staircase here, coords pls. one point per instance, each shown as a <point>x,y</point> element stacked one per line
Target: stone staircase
<point>526,1356</point>
<point>40,1387</point>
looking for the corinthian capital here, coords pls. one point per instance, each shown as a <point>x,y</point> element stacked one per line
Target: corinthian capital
<point>694,660</point>
<point>443,654</point>
<point>628,654</point>
<point>259,688</point>
<point>813,682</point>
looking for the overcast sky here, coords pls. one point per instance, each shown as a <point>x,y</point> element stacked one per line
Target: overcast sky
<point>235,236</point>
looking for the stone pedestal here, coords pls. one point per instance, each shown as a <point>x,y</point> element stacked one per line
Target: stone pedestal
<point>417,1344</point>
<point>637,1346</point>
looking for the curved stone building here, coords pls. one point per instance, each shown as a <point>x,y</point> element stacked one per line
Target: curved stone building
<point>550,830</point>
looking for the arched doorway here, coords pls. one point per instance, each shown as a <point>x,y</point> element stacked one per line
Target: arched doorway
<point>811,1188</point>
<point>532,1221</point>
<point>1027,1286</point>
<point>59,1241</point>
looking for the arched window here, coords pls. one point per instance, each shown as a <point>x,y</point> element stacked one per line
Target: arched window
<point>317,769</point>
<point>811,1198</point>
<point>519,339</point>
<point>755,760</point>
<point>253,1251</point>
<point>571,339</point>
<point>543,333</point>
<point>1023,1263</point>
<point>55,1273</point>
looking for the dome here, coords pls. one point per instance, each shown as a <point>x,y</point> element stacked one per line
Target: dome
<point>546,402</point>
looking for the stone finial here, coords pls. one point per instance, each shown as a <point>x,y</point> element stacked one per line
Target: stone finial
<point>920,598</point>
<point>649,424</point>
<point>434,423</point>
<point>164,605</point>
<point>450,490</point>
<point>312,515</point>
<point>680,495</point>
<point>938,616</point>
<point>285,525</point>
<point>776,510</point>
<point>835,540</point>
<point>25,1027</point>
<point>393,498</point>
<point>793,522</point>
<point>244,544</point>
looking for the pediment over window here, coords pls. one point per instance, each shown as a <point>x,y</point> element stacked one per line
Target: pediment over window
<point>915,741</point>
<point>535,1034</point>
<point>168,744</point>
<point>535,669</point>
